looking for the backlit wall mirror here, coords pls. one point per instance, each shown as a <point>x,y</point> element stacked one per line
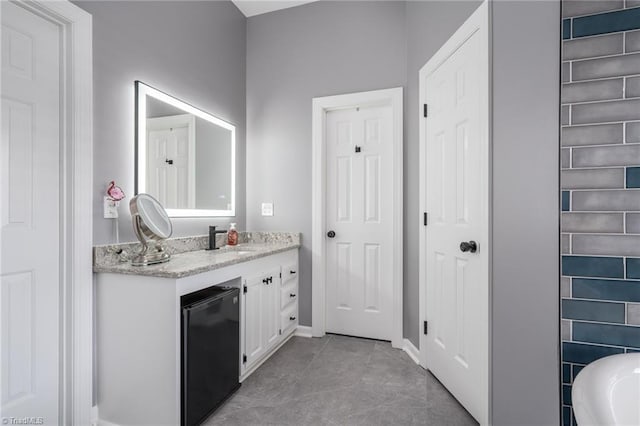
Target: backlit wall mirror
<point>185,157</point>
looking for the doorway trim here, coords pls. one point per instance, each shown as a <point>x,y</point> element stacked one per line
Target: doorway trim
<point>76,201</point>
<point>478,21</point>
<point>320,107</point>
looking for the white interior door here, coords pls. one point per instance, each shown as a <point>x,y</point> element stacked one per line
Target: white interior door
<point>359,203</point>
<point>456,198</point>
<point>171,161</point>
<point>30,269</point>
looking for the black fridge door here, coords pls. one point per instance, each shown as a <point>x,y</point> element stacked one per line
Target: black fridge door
<point>210,354</point>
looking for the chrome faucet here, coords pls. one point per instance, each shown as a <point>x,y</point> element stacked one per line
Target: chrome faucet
<point>212,237</point>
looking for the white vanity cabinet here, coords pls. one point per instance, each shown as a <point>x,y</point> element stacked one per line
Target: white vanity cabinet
<point>261,315</point>
<point>289,298</point>
<point>271,312</point>
<point>138,325</point>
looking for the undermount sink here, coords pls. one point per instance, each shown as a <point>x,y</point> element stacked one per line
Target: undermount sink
<point>238,250</point>
<point>606,392</point>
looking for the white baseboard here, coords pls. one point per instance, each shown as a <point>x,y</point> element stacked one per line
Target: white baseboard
<point>106,423</point>
<point>411,350</point>
<point>94,415</point>
<point>303,331</point>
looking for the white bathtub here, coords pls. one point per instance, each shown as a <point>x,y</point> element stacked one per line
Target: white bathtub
<point>607,392</point>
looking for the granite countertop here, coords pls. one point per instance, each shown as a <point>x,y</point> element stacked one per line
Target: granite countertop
<point>185,262</point>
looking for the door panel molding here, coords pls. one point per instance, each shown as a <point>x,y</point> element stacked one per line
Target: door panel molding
<point>76,304</point>
<point>320,107</point>
<point>478,24</point>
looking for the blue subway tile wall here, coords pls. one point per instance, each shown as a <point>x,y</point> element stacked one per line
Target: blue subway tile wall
<point>633,268</point>
<point>566,201</point>
<point>566,373</point>
<point>593,266</point>
<point>566,394</point>
<point>582,354</point>
<point>633,177</point>
<point>588,310</point>
<point>620,290</point>
<point>606,334</point>
<point>600,185</point>
<point>575,370</point>
<point>566,28</point>
<point>566,415</point>
<point>603,23</point>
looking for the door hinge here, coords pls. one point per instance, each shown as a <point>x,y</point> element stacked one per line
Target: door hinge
<point>425,217</point>
<point>244,359</point>
<point>425,328</point>
<point>280,274</point>
<point>244,289</point>
<point>424,110</point>
<point>280,331</point>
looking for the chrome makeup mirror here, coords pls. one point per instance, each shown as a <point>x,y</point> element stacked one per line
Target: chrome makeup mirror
<point>185,156</point>
<point>150,222</point>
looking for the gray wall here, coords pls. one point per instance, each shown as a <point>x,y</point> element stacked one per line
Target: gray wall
<point>195,51</point>
<point>294,55</point>
<point>525,338</point>
<point>329,48</point>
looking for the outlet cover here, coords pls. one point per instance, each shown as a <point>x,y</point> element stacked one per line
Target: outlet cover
<point>110,208</point>
<point>267,209</point>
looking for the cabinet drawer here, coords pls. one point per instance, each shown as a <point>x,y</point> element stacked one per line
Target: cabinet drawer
<point>288,293</point>
<point>289,272</point>
<point>289,318</point>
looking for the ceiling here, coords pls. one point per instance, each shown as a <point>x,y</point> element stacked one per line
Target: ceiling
<point>258,7</point>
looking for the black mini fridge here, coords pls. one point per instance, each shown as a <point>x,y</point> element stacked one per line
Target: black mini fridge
<point>210,351</point>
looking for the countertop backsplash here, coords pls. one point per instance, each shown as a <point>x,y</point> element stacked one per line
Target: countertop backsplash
<point>114,254</point>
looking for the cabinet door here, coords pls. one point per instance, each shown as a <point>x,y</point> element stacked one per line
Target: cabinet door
<point>271,308</point>
<point>254,308</point>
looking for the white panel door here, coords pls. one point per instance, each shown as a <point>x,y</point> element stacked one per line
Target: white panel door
<point>30,270</point>
<point>271,307</point>
<point>359,267</point>
<point>262,314</point>
<point>169,169</point>
<point>456,204</point>
<point>253,314</point>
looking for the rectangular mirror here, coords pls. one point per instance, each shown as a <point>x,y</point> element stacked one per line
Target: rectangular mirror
<point>185,157</point>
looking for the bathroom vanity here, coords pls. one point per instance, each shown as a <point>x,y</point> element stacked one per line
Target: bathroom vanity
<point>138,318</point>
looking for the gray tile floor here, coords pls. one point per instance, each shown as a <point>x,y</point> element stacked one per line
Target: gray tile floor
<point>338,380</point>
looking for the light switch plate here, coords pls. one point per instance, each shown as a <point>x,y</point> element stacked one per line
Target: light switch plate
<point>267,209</point>
<point>110,208</point>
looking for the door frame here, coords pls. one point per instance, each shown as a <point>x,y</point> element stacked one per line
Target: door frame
<point>189,120</point>
<point>76,204</point>
<point>479,21</point>
<point>320,107</point>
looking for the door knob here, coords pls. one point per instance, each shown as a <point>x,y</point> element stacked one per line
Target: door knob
<point>331,234</point>
<point>471,246</point>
